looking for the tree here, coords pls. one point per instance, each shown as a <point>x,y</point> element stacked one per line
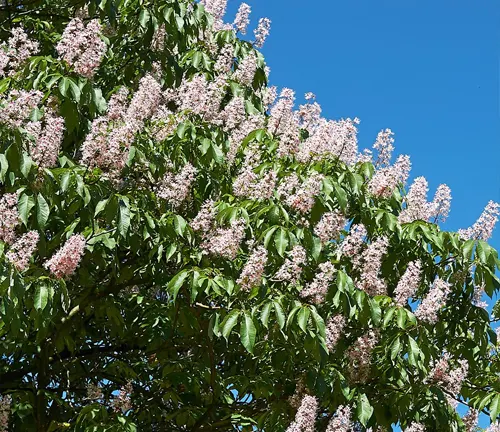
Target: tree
<point>180,249</point>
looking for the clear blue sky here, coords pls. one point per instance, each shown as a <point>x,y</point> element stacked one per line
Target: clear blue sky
<point>427,69</point>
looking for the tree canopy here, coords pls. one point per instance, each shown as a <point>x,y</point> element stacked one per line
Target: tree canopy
<point>182,248</point>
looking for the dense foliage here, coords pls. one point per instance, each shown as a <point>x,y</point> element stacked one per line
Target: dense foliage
<point>180,250</point>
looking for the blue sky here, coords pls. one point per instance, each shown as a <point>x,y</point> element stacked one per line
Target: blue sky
<point>429,70</point>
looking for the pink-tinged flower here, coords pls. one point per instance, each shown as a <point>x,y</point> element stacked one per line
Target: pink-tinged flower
<point>415,427</point>
<point>22,250</point>
<point>409,283</point>
<point>253,271</point>
<point>242,18</point>
<point>385,180</point>
<point>417,207</point>
<point>262,32</point>
<point>225,242</point>
<point>305,418</point>
<point>269,95</point>
<point>225,59</point>
<point>370,280</point>
<point>237,135</point>
<point>9,217</point>
<point>46,143</point>
<point>330,139</point>
<point>5,410</point>
<point>94,392</point>
<point>291,269</point>
<point>123,401</point>
<point>233,114</point>
<point>158,41</point>
<point>494,427</point>
<point>145,101</point>
<point>341,421</point>
<point>384,146</point>
<point>175,188</point>
<point>440,206</point>
<point>359,355</point>
<point>447,378</point>
<point>117,106</point>
<point>427,311</point>
<point>204,220</point>
<point>246,69</point>
<point>354,242</point>
<point>217,8</point>
<point>18,49</point>
<point>281,112</point>
<point>64,263</point>
<point>477,298</point>
<point>250,185</point>
<point>95,147</point>
<point>82,47</point>
<point>334,330</point>
<point>310,116</point>
<point>483,228</point>
<point>470,420</point>
<point>300,196</point>
<point>16,108</point>
<point>316,291</point>
<point>330,226</point>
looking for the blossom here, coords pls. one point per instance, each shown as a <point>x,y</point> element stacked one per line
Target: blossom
<point>483,227</point>
<point>16,108</point>
<point>246,69</point>
<point>5,409</point>
<point>494,427</point>
<point>330,226</point>
<point>281,112</point>
<point>386,179</point>
<point>440,206</point>
<point>291,269</point>
<point>436,298</point>
<point>204,220</point>
<point>224,62</point>
<point>123,402</point>
<point>269,95</point>
<point>301,196</point>
<point>334,329</point>
<point>242,18</point>
<point>415,427</point>
<point>9,217</point>
<point>233,113</point>
<point>447,378</point>
<point>175,188</point>
<point>64,263</point>
<point>253,271</point>
<point>217,8</point>
<point>117,105</point>
<point>158,41</point>
<point>22,250</point>
<point>341,421</point>
<point>145,101</point>
<point>262,32</point>
<point>306,416</point>
<point>417,207</point>
<point>408,284</point>
<point>46,144</point>
<point>18,49</point>
<point>384,146</point>
<point>94,392</point>
<point>82,47</point>
<point>354,241</point>
<point>237,135</point>
<point>250,185</point>
<point>318,288</point>
<point>359,355</point>
<point>225,242</point>
<point>371,259</point>
<point>470,420</point>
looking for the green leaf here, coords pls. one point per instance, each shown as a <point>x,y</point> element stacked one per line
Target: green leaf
<point>42,211</point>
<point>24,205</point>
<point>303,318</point>
<point>319,322</point>
<point>100,206</point>
<point>364,410</point>
<point>124,218</point>
<point>264,315</point>
<point>395,348</point>
<point>229,322</point>
<point>4,166</point>
<point>64,86</point>
<point>280,315</point>
<point>176,282</point>
<point>41,297</point>
<point>144,18</point>
<point>281,241</point>
<point>495,407</point>
<point>248,332</point>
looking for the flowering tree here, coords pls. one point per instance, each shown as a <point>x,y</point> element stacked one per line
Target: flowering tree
<point>181,248</point>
